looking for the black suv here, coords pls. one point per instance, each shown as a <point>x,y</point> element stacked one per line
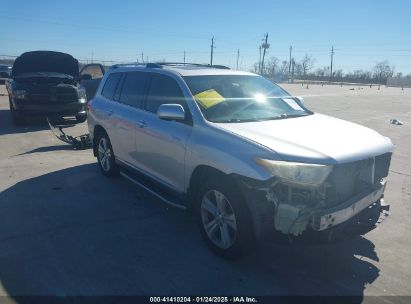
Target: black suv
<point>46,83</point>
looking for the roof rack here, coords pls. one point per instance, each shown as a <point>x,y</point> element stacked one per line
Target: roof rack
<point>159,65</point>
<point>193,64</point>
<point>147,65</point>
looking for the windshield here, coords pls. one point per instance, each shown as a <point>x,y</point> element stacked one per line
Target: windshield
<point>242,98</point>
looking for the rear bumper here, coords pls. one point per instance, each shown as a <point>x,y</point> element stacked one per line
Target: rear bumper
<point>328,218</point>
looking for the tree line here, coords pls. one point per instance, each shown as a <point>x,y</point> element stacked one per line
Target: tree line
<point>286,70</point>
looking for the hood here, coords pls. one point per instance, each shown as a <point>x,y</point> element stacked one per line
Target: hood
<point>314,138</point>
<point>45,61</point>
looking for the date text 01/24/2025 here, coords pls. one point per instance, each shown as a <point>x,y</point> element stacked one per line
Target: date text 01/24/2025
<point>203,300</point>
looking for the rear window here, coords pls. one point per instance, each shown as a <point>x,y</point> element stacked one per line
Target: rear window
<point>111,85</point>
<point>133,89</point>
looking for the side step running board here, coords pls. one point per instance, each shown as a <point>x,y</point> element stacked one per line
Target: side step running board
<point>156,194</point>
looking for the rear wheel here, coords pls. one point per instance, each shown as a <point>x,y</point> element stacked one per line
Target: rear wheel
<point>224,219</point>
<point>105,156</point>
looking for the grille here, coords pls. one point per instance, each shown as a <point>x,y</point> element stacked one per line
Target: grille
<point>54,95</point>
<point>347,180</point>
<point>382,166</point>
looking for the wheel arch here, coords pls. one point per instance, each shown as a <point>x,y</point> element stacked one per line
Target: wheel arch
<point>255,202</point>
<point>199,174</point>
<point>98,130</point>
<point>203,173</point>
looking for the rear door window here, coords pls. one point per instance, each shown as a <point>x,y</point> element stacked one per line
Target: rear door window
<point>133,89</point>
<point>163,90</point>
<point>119,86</point>
<point>110,86</point>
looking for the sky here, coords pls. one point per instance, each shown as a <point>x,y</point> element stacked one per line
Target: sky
<point>362,32</point>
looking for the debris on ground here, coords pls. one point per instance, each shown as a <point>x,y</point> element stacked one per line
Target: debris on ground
<point>80,142</point>
<point>396,122</point>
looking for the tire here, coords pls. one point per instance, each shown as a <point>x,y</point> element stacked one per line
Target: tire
<point>224,219</point>
<point>16,117</point>
<point>105,156</point>
<point>81,118</point>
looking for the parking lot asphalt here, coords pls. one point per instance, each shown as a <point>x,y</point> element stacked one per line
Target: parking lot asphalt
<point>66,230</point>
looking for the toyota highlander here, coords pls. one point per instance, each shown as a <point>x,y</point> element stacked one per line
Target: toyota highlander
<point>246,156</point>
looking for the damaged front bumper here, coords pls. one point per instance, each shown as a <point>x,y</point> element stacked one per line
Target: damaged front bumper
<point>327,218</point>
<point>293,216</point>
<point>78,142</point>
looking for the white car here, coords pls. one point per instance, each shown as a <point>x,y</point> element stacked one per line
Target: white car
<point>246,156</point>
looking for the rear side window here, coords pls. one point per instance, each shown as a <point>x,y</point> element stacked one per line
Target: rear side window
<point>133,89</point>
<point>163,90</point>
<point>110,86</point>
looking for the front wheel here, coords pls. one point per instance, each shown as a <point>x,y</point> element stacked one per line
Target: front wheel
<point>105,156</point>
<point>224,219</point>
<point>16,116</point>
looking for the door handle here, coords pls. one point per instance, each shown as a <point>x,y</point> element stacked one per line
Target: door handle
<point>142,123</point>
<point>109,112</point>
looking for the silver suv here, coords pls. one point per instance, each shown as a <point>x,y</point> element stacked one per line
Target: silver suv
<point>246,156</point>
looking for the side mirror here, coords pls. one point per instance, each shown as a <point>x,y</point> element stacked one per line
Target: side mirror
<point>300,100</point>
<point>86,77</point>
<point>171,112</point>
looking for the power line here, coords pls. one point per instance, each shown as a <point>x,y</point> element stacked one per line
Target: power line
<point>41,19</point>
<point>93,27</point>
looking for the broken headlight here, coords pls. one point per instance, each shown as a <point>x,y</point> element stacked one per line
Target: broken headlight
<point>297,173</point>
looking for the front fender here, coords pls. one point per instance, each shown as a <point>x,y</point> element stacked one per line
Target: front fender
<point>230,154</point>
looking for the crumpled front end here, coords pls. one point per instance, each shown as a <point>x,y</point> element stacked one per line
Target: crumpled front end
<point>349,189</point>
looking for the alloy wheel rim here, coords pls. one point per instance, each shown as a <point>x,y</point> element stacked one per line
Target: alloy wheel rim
<point>218,219</point>
<point>104,153</point>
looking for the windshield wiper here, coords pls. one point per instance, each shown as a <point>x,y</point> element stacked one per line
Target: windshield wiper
<point>282,116</point>
<point>285,116</point>
<point>234,120</point>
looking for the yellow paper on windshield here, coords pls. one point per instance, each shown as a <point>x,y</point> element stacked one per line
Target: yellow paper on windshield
<point>209,98</point>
